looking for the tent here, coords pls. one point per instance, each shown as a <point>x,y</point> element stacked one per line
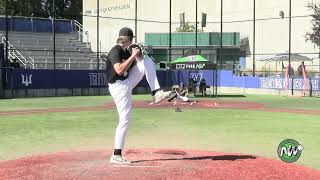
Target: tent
<point>194,62</point>
<point>285,57</point>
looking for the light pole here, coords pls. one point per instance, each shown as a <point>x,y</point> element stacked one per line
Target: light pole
<point>170,33</point>
<point>7,35</point>
<point>290,9</point>
<point>289,35</point>
<point>254,39</point>
<point>136,22</point>
<point>98,47</point>
<point>197,26</point>
<point>221,31</point>
<point>54,34</point>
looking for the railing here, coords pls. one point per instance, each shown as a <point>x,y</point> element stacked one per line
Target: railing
<point>68,65</point>
<point>83,35</point>
<point>15,54</point>
<point>31,62</point>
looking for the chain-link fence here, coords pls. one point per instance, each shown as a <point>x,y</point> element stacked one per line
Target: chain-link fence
<point>248,37</point>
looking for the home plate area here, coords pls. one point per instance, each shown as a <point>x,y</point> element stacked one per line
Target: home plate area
<point>153,164</point>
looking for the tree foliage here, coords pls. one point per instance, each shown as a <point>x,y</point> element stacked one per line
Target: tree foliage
<point>187,28</point>
<point>64,9</point>
<point>2,5</point>
<point>314,36</point>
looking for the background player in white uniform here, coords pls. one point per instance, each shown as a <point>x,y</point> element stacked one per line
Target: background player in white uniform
<point>124,72</point>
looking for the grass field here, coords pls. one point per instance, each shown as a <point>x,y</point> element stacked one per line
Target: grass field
<point>228,130</point>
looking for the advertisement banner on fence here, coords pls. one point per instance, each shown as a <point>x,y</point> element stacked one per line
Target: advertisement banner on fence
<point>55,79</point>
<point>295,83</point>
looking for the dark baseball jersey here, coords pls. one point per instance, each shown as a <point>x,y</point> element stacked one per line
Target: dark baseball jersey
<point>116,55</point>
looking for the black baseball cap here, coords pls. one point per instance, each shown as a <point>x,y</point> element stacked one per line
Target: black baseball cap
<point>126,32</point>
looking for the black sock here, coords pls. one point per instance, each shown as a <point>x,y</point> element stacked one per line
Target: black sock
<point>154,92</point>
<point>117,152</point>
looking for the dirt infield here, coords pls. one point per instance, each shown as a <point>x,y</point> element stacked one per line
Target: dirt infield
<point>201,104</point>
<point>153,164</point>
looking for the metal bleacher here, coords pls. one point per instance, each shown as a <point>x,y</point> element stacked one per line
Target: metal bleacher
<point>38,47</point>
<point>35,49</point>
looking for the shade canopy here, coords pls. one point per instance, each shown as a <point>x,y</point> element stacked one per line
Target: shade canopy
<point>192,62</point>
<point>190,59</point>
<point>285,57</point>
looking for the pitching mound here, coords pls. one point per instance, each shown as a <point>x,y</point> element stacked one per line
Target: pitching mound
<point>153,164</point>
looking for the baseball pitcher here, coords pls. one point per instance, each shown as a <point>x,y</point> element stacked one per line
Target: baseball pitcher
<point>124,71</point>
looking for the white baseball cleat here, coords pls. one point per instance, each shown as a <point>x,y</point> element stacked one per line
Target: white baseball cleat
<point>161,95</point>
<point>118,159</point>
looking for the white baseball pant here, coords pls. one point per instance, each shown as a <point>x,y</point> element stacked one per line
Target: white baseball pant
<point>121,92</point>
